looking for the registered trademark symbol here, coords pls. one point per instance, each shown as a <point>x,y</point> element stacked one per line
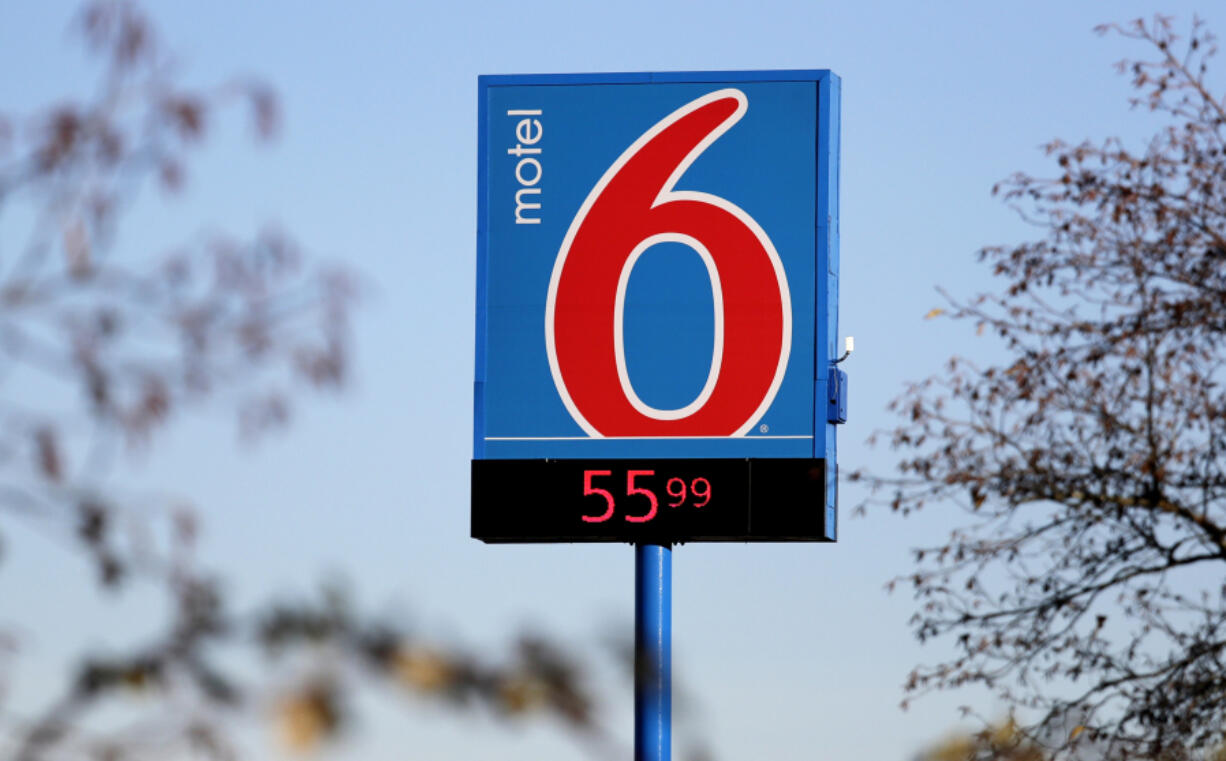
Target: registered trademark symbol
<point>763,428</point>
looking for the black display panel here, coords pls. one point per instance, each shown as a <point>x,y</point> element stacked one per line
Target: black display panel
<point>650,500</point>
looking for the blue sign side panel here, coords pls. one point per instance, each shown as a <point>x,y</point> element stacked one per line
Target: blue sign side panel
<point>779,164</point>
<point>829,98</point>
<point>482,259</point>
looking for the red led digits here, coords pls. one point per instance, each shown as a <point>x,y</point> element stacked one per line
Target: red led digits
<point>699,489</point>
<point>651,497</point>
<point>676,489</point>
<point>589,489</point>
<point>704,492</point>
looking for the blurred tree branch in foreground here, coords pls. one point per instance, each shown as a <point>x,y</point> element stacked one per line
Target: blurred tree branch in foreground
<point>1008,741</point>
<point>102,348</point>
<point>1087,588</point>
<point>997,742</point>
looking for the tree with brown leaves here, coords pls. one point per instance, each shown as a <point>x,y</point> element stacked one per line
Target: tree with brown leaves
<point>1087,588</point>
<point>101,349</point>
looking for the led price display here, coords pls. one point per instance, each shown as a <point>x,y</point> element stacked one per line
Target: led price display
<point>658,500</point>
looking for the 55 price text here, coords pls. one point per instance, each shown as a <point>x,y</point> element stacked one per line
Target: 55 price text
<point>642,500</point>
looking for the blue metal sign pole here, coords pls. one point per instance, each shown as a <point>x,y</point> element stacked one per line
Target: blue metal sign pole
<point>653,670</point>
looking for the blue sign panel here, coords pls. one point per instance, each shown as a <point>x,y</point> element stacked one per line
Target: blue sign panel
<point>657,266</point>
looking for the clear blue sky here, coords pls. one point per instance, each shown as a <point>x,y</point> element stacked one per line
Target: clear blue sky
<point>796,652</point>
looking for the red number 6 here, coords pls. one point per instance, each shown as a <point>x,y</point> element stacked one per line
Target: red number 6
<point>632,208</point>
